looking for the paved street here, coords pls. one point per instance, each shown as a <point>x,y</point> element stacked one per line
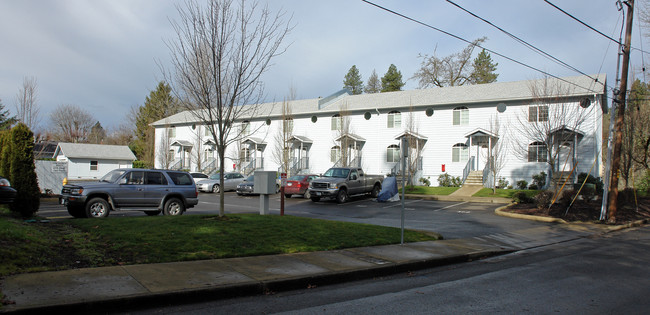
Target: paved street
<point>452,219</point>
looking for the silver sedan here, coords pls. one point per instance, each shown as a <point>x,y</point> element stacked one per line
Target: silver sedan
<point>230,182</point>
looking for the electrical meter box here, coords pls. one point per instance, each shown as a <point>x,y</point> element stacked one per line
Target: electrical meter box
<point>264,182</point>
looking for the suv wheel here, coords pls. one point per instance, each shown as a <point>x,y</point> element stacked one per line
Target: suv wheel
<point>216,188</point>
<point>375,191</point>
<point>97,208</point>
<point>174,206</point>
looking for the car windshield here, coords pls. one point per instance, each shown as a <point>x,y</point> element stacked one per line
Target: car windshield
<point>337,172</point>
<point>112,176</point>
<point>297,177</point>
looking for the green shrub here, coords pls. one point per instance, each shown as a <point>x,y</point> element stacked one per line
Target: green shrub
<point>521,197</point>
<point>502,183</point>
<point>23,173</point>
<point>543,199</point>
<point>140,164</point>
<point>591,180</point>
<point>644,183</point>
<point>446,180</point>
<point>566,196</point>
<point>522,184</point>
<point>533,187</point>
<point>425,181</point>
<point>539,180</point>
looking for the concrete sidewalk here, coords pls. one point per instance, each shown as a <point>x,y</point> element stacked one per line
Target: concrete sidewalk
<point>122,287</point>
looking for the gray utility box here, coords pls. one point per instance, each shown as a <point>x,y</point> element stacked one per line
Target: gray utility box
<point>264,182</point>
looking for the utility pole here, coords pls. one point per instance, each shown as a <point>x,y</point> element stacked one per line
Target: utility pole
<point>620,115</point>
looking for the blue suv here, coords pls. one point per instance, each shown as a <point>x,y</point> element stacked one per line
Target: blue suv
<point>151,191</point>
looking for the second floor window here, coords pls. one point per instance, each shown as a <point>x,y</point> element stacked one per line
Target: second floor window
<point>336,122</point>
<point>394,119</point>
<point>245,127</point>
<point>461,116</point>
<point>538,113</point>
<point>171,132</point>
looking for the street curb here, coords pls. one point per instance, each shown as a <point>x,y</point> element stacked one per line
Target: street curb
<point>499,211</point>
<point>215,293</point>
<point>458,198</point>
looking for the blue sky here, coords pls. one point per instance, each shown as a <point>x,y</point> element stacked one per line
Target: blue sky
<point>104,55</point>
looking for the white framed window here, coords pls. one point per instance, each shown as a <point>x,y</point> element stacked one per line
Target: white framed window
<point>538,113</point>
<point>392,153</point>
<point>93,165</point>
<point>170,155</point>
<point>245,127</point>
<point>459,153</point>
<point>461,116</point>
<point>288,125</point>
<point>336,122</point>
<point>537,152</point>
<point>394,119</point>
<point>171,132</point>
<point>206,131</point>
<point>245,155</point>
<point>335,154</point>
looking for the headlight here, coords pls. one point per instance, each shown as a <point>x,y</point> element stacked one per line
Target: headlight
<point>76,191</point>
<point>333,186</point>
<point>4,182</point>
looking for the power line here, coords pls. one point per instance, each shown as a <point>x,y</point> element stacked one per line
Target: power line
<point>581,22</point>
<point>524,42</point>
<point>477,45</point>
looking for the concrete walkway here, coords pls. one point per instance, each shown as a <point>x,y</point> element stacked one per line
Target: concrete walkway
<point>122,287</point>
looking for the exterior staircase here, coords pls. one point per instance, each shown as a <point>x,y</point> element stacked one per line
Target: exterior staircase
<point>561,178</point>
<point>475,178</point>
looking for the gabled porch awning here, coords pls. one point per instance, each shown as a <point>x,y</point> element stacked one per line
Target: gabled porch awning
<point>300,139</point>
<point>256,142</point>
<point>352,137</point>
<point>209,142</point>
<point>481,137</point>
<point>181,143</point>
<point>407,133</point>
<point>564,133</point>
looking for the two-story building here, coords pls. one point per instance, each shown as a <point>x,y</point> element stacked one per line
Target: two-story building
<point>509,129</point>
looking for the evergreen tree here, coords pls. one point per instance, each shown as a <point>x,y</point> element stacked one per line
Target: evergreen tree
<point>373,85</point>
<point>353,81</point>
<point>392,80</point>
<point>5,120</point>
<point>484,68</point>
<point>159,104</point>
<point>97,134</point>
<point>23,171</point>
<point>5,149</point>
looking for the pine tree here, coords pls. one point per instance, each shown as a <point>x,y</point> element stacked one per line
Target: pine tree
<point>392,80</point>
<point>373,85</point>
<point>159,104</point>
<point>97,134</point>
<point>23,171</point>
<point>5,120</point>
<point>483,69</point>
<point>353,81</point>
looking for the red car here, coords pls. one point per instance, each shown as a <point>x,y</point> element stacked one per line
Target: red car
<point>298,185</point>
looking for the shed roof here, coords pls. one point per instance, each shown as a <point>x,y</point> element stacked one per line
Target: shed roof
<point>94,151</point>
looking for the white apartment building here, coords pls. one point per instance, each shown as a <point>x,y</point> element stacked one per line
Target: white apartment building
<point>450,130</point>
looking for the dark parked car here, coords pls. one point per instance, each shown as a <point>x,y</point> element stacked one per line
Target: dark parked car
<point>151,191</point>
<point>298,185</point>
<point>7,194</point>
<point>246,187</point>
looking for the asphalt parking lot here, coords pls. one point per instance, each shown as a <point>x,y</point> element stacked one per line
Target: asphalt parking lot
<point>452,219</point>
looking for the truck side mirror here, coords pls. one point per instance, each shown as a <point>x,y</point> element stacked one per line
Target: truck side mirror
<point>353,177</point>
<point>122,181</point>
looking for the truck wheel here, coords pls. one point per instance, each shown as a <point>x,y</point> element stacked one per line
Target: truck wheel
<point>287,195</point>
<point>375,191</point>
<point>174,206</point>
<point>315,199</point>
<point>342,196</point>
<point>216,189</point>
<point>97,208</point>
<point>77,212</point>
<point>307,195</point>
<point>152,213</point>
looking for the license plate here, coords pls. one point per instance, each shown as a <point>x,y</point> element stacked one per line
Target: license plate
<point>289,184</point>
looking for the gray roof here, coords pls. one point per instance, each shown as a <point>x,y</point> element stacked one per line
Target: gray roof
<point>95,151</point>
<point>434,97</point>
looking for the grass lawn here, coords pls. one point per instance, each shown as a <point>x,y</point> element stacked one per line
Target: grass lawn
<point>424,190</point>
<point>504,193</point>
<point>75,243</point>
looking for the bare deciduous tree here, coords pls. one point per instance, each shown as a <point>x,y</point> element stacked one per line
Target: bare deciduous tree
<point>498,152</point>
<point>164,146</point>
<point>27,109</point>
<point>218,56</point>
<point>453,70</point>
<point>282,151</point>
<point>71,123</point>
<point>550,121</point>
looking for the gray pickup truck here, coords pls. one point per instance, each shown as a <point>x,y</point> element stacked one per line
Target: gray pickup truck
<point>342,182</point>
<point>151,191</point>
